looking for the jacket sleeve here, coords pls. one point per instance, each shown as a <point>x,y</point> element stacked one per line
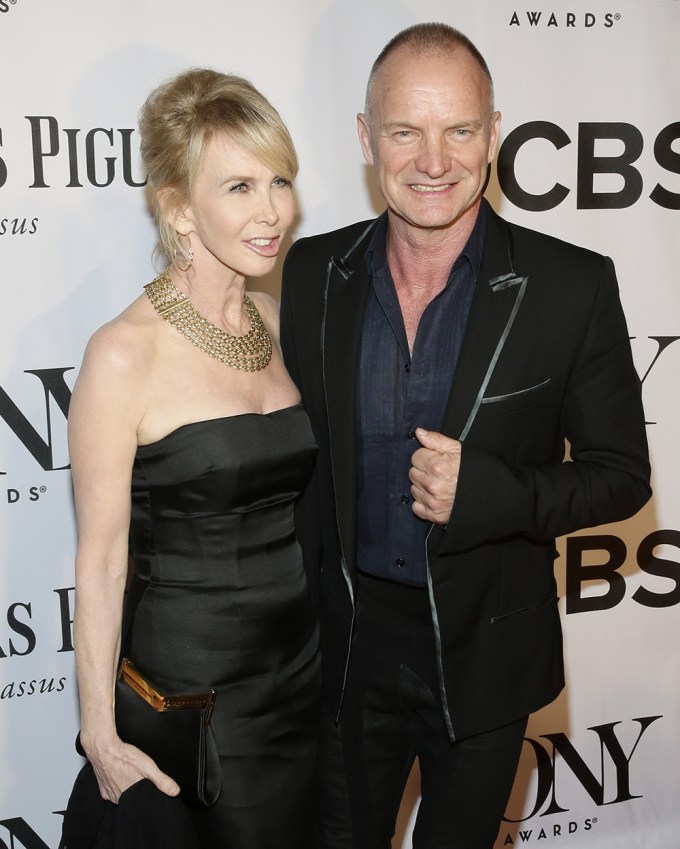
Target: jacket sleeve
<point>606,477</point>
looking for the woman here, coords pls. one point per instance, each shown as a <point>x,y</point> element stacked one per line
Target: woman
<point>186,433</point>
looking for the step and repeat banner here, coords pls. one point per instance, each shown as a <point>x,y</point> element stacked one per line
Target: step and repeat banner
<point>590,96</point>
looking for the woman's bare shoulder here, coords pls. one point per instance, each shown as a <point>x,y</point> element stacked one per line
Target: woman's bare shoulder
<point>125,342</point>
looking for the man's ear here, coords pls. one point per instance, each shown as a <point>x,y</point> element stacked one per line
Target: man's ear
<point>175,210</point>
<point>494,135</point>
<point>365,137</point>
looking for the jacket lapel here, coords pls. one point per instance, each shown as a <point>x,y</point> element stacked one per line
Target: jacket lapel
<point>347,290</point>
<point>499,292</point>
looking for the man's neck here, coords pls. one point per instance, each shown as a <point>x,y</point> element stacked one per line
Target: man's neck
<point>420,263</point>
<point>422,259</point>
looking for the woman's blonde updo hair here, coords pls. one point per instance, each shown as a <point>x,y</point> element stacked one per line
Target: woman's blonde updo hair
<point>178,120</point>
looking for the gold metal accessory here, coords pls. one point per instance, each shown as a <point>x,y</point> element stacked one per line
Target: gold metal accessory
<point>251,352</point>
<point>187,255</point>
<point>160,703</point>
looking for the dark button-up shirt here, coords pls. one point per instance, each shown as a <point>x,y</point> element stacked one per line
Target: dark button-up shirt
<point>398,392</point>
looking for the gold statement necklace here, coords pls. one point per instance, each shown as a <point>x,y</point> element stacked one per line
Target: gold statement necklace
<point>251,352</point>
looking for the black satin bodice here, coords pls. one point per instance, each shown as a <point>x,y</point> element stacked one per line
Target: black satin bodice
<point>219,599</point>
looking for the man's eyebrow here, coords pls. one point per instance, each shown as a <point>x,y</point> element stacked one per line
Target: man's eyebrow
<point>471,123</point>
<point>394,125</point>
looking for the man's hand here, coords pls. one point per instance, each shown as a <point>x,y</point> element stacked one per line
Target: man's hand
<point>434,476</point>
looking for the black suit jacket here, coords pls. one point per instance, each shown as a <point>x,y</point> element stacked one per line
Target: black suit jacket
<point>546,357</point>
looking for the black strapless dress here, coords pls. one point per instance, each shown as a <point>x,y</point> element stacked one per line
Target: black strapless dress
<point>219,599</point>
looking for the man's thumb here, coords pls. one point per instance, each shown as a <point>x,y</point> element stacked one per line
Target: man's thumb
<point>437,441</point>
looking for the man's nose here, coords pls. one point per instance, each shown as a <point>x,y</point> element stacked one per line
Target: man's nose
<point>434,158</point>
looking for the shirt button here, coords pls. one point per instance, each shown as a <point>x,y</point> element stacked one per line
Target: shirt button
<point>399,562</point>
<point>405,499</point>
<point>411,434</point>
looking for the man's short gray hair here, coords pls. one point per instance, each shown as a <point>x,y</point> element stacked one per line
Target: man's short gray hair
<point>428,38</point>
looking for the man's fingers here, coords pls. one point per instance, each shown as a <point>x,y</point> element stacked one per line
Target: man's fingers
<point>434,476</point>
<point>437,441</point>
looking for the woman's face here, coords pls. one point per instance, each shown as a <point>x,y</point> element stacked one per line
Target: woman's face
<point>240,210</point>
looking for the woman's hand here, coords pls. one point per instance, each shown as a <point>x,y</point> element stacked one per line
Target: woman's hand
<point>119,765</point>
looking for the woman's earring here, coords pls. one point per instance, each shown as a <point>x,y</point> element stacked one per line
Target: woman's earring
<point>188,258</point>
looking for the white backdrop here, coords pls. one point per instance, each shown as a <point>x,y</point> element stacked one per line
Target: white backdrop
<point>600,767</point>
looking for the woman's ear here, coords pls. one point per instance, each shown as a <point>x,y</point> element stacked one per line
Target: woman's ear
<point>175,210</point>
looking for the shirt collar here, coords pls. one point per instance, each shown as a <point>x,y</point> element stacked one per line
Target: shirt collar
<point>376,253</point>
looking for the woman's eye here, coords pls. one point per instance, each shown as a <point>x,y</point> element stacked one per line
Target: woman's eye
<point>239,188</point>
<point>281,182</point>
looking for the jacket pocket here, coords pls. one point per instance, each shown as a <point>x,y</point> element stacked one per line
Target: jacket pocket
<point>511,401</point>
<point>553,600</point>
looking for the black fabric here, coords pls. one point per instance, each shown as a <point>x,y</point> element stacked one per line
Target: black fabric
<point>393,600</point>
<point>144,818</point>
<point>219,600</point>
<point>392,714</point>
<point>181,742</point>
<point>546,355</point>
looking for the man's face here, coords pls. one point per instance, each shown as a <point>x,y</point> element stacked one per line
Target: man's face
<point>430,136</point>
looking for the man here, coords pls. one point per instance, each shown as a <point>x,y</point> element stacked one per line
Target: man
<point>444,356</point>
